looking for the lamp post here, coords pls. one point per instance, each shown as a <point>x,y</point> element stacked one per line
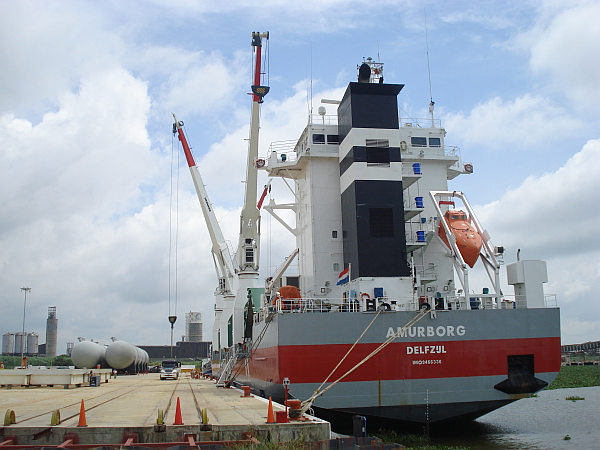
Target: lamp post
<point>25,290</point>
<point>172,320</point>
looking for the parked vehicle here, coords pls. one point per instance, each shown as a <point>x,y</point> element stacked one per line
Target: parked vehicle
<point>170,368</point>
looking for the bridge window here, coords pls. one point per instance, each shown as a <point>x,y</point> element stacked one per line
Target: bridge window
<point>384,143</point>
<point>416,141</point>
<point>318,138</point>
<point>435,142</point>
<point>333,139</point>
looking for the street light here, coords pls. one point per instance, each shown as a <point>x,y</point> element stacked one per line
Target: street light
<point>25,290</point>
<point>172,320</point>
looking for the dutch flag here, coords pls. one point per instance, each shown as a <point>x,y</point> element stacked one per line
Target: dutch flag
<point>344,276</point>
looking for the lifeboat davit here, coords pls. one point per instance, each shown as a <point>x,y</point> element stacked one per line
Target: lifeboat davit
<point>468,239</point>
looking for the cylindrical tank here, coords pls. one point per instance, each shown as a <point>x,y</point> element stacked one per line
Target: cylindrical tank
<point>51,331</point>
<point>8,343</point>
<point>20,342</point>
<point>32,343</point>
<point>138,359</point>
<point>120,355</point>
<point>193,326</point>
<point>146,359</point>
<point>87,354</point>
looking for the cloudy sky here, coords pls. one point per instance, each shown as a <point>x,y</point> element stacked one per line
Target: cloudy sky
<point>87,211</point>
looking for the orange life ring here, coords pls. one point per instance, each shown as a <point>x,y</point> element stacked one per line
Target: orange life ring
<point>363,295</point>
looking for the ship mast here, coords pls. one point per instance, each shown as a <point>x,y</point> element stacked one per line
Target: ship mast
<point>249,242</point>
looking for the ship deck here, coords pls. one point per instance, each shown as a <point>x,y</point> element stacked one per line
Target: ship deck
<point>127,408</point>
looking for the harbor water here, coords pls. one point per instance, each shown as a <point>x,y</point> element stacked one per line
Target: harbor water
<point>547,421</point>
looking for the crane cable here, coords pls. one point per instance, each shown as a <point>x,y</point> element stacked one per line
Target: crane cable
<point>306,404</point>
<point>171,225</point>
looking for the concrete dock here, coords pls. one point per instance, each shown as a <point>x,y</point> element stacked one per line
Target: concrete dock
<point>127,408</point>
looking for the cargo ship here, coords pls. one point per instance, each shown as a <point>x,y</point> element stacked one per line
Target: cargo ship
<point>381,318</point>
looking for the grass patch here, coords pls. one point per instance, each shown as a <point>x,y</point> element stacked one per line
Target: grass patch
<point>10,362</point>
<point>574,398</point>
<point>413,441</point>
<point>576,376</point>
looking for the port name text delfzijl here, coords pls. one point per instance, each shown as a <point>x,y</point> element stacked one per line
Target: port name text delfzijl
<point>425,349</point>
<point>440,331</point>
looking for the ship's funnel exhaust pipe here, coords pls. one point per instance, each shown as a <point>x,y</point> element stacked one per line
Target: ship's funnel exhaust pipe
<point>364,73</point>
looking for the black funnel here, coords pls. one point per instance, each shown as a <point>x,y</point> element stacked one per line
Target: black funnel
<point>364,73</point>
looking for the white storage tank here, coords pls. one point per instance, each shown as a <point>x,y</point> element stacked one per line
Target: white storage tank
<point>32,343</point>
<point>138,358</point>
<point>20,341</point>
<point>120,355</point>
<point>8,343</point>
<point>87,354</point>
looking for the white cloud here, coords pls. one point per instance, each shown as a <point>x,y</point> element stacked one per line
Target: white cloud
<point>553,217</point>
<point>557,205</point>
<point>204,83</point>
<point>71,186</point>
<point>45,50</point>
<point>565,45</point>
<point>527,122</point>
<point>84,157</point>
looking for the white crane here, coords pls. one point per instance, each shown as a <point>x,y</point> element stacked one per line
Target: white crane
<point>236,274</point>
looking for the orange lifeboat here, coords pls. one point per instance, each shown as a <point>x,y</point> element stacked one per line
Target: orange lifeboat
<point>290,295</point>
<point>468,239</point>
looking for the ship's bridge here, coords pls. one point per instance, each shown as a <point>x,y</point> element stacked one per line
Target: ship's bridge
<point>288,158</point>
<point>425,141</point>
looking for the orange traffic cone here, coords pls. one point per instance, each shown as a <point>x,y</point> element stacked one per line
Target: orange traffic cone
<point>270,416</point>
<point>178,419</point>
<point>82,422</point>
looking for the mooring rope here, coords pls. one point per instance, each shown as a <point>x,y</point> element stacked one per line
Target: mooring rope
<point>348,352</point>
<point>308,402</point>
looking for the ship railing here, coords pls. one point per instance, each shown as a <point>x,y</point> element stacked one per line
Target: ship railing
<point>367,304</point>
<point>452,150</point>
<point>487,301</point>
<point>426,271</point>
<point>327,119</point>
<point>420,122</point>
<point>328,305</point>
<point>520,301</point>
<point>282,153</point>
<point>282,146</point>
<point>238,351</point>
<point>550,300</point>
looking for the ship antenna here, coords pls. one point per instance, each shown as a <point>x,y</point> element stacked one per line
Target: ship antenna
<point>311,84</point>
<point>431,102</point>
